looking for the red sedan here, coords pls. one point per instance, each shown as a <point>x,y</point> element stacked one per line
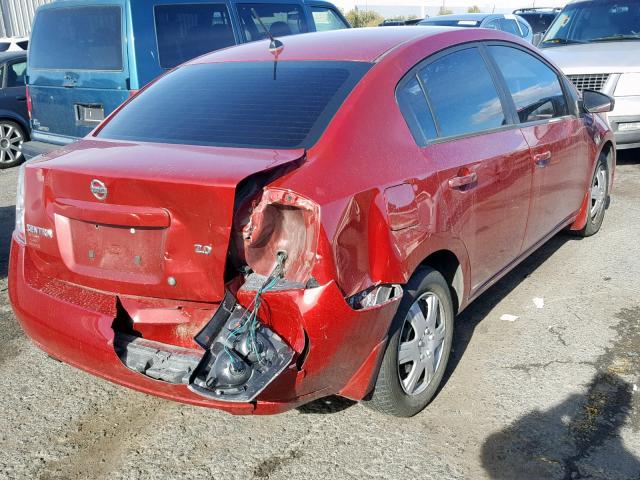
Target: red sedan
<point>270,224</point>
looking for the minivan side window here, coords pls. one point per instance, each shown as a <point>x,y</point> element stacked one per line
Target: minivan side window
<point>77,38</point>
<point>416,112</point>
<point>326,19</point>
<point>15,74</point>
<point>187,31</point>
<point>534,87</point>
<point>462,94</point>
<point>280,19</point>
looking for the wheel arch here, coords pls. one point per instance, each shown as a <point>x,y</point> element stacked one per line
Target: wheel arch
<point>447,263</point>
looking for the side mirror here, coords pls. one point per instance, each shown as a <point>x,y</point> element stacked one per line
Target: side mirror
<point>596,102</point>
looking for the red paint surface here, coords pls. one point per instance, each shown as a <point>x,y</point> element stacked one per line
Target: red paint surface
<point>380,206</point>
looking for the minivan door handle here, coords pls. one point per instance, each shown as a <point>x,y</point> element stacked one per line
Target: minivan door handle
<point>542,159</point>
<point>460,181</point>
<point>21,98</point>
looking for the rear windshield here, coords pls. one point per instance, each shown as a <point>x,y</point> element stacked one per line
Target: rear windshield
<point>77,38</point>
<point>241,104</point>
<point>187,31</point>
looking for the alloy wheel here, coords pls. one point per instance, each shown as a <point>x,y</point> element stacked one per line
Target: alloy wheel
<point>11,139</point>
<point>421,341</point>
<point>598,191</point>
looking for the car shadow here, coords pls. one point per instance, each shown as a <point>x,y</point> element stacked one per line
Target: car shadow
<point>467,321</point>
<point>579,438</point>
<point>628,157</point>
<point>7,220</point>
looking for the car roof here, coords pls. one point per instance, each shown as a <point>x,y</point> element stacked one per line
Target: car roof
<point>353,44</point>
<point>6,56</point>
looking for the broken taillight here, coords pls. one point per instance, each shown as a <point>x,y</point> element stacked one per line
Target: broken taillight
<point>283,221</point>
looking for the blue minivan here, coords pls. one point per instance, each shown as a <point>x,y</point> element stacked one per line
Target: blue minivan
<point>86,58</point>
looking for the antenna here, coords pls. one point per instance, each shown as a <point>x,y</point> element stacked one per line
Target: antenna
<point>276,44</point>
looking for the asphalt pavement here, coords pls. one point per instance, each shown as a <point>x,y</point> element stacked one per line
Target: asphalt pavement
<point>553,394</point>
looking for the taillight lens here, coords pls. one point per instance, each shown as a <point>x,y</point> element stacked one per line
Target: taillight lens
<point>20,225</point>
<point>29,105</point>
<point>283,221</point>
<point>132,93</point>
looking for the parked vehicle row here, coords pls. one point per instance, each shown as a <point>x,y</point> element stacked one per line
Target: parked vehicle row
<point>85,60</point>
<point>192,247</point>
<point>510,23</point>
<point>596,43</point>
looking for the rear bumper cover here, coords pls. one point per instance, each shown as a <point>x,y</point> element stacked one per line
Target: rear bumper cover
<point>338,353</point>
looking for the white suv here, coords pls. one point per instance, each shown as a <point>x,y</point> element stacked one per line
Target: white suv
<point>596,43</point>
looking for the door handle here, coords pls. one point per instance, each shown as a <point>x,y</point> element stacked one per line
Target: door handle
<point>461,181</point>
<point>21,98</point>
<point>542,159</point>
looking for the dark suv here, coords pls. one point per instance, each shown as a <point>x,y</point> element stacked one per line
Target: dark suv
<point>14,123</point>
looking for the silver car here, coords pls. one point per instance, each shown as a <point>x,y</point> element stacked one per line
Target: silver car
<point>597,45</point>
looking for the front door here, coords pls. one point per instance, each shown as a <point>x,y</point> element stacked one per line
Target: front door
<point>555,138</point>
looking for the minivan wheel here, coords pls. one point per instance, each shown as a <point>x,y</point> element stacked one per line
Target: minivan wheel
<point>598,196</point>
<point>418,349</point>
<point>11,139</point>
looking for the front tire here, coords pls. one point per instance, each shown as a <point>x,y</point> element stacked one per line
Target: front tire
<point>11,138</point>
<point>418,349</point>
<point>598,199</point>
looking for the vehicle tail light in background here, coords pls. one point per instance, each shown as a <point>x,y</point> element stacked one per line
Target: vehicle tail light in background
<point>132,93</point>
<point>29,104</point>
<point>20,225</point>
<point>283,221</point>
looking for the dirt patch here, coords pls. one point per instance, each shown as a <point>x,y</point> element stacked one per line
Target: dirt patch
<point>274,463</point>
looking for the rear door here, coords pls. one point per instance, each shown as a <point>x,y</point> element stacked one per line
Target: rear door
<point>78,71</point>
<point>483,160</point>
<point>556,139</point>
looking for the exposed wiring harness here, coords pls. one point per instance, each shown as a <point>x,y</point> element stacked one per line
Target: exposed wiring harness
<point>249,321</point>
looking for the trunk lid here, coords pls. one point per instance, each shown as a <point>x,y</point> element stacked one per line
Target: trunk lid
<point>139,219</point>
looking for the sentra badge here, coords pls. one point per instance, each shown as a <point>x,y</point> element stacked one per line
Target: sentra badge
<point>39,231</point>
<point>99,189</point>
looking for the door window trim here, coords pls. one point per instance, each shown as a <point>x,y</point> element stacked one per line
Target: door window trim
<point>571,105</point>
<point>497,81</point>
<point>6,72</point>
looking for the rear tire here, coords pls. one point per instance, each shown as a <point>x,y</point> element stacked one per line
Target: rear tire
<point>11,138</point>
<point>418,349</point>
<point>598,199</point>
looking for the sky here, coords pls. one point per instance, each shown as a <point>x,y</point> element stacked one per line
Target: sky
<point>406,7</point>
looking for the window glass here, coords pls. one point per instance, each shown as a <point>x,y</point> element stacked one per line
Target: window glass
<point>15,74</point>
<point>462,94</point>
<point>510,26</point>
<point>416,112</point>
<point>77,38</point>
<point>4,46</point>
<point>535,88</point>
<point>187,31</point>
<point>279,18</point>
<point>242,104</point>
<point>326,19</point>
<point>602,21</point>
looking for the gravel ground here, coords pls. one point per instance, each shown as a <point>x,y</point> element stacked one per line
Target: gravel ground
<point>551,395</point>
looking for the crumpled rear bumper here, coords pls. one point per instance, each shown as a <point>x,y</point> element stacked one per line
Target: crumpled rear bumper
<point>337,348</point>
